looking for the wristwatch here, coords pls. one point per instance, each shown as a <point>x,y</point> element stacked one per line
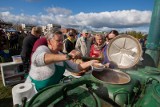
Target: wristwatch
<point>68,56</point>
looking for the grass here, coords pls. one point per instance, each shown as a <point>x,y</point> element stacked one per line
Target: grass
<point>6,92</point>
<point>5,95</point>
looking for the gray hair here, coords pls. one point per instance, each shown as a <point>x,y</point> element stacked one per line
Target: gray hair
<point>50,34</point>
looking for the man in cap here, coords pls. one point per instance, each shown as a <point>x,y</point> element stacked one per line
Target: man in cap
<point>83,43</point>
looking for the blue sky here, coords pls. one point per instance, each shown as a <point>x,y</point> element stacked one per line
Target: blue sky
<point>98,15</point>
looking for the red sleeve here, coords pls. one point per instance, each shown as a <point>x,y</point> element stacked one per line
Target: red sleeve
<point>39,42</point>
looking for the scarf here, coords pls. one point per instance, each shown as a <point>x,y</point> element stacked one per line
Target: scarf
<point>99,47</point>
<point>71,39</point>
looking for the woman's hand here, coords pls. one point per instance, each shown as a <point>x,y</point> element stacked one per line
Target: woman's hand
<point>107,65</point>
<point>86,65</point>
<point>75,54</point>
<point>111,65</point>
<point>94,61</point>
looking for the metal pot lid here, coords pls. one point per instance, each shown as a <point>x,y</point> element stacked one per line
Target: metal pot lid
<point>125,51</point>
<point>112,76</point>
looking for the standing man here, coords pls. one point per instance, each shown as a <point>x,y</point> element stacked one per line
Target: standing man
<point>70,41</point>
<point>83,43</point>
<point>27,46</point>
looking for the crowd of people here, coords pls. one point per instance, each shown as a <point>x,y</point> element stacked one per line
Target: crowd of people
<point>46,56</point>
<point>11,39</point>
<point>10,43</point>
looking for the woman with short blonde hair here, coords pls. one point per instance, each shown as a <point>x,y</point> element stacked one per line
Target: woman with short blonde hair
<point>98,46</point>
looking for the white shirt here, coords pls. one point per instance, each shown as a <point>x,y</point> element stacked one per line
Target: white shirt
<point>40,71</point>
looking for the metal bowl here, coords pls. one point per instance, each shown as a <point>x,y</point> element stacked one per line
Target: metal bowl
<point>97,67</point>
<point>125,51</point>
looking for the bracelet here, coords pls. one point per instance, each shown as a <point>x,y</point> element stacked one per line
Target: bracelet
<point>68,56</point>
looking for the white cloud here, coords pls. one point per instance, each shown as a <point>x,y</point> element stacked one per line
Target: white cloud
<point>117,19</point>
<point>58,11</point>
<point>125,19</point>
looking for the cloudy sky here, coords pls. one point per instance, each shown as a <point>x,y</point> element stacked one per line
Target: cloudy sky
<point>98,15</point>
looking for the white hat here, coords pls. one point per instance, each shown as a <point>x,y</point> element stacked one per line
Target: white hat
<point>85,31</point>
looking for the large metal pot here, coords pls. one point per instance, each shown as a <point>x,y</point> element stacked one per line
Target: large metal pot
<point>125,52</point>
<point>121,88</point>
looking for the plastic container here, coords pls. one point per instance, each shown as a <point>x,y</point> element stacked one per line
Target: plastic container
<point>17,58</point>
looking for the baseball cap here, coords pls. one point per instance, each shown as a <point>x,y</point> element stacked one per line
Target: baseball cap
<point>85,31</point>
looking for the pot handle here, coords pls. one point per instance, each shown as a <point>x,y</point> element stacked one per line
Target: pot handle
<point>121,92</point>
